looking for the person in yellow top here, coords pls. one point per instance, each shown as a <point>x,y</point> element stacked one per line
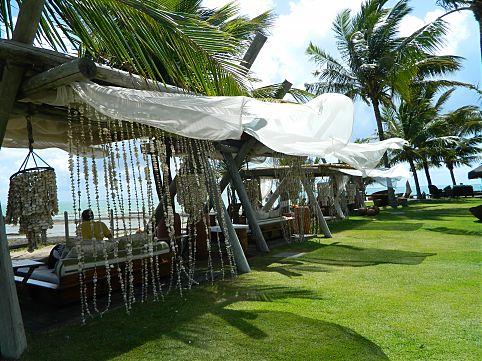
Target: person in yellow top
<point>88,225</point>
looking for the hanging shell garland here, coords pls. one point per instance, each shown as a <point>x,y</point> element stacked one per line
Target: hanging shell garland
<point>192,194</point>
<point>252,189</point>
<point>32,201</point>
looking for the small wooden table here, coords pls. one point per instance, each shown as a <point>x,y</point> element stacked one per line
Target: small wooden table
<point>24,263</point>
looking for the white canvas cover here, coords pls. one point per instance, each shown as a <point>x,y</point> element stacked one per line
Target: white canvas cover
<point>395,173</point>
<point>320,127</point>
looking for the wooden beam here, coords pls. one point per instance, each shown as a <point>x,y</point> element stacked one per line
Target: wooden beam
<point>225,148</point>
<point>243,196</point>
<point>80,69</point>
<point>128,80</point>
<point>253,51</point>
<point>25,29</point>
<point>12,334</point>
<point>285,87</point>
<point>279,172</point>
<point>27,54</point>
<point>21,53</point>
<point>240,156</point>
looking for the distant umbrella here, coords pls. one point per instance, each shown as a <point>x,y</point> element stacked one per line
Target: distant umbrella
<point>476,173</point>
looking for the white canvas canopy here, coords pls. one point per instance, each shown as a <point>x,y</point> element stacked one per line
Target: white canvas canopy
<point>320,127</point>
<point>395,173</point>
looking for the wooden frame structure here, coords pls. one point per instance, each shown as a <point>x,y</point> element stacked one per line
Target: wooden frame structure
<point>55,69</point>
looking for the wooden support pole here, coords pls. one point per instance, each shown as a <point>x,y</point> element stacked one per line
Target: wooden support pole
<point>66,226</point>
<point>25,29</point>
<point>67,73</point>
<point>285,87</point>
<point>240,156</point>
<point>243,196</point>
<point>253,51</point>
<point>273,197</point>
<point>12,334</point>
<point>239,256</point>
<point>319,213</point>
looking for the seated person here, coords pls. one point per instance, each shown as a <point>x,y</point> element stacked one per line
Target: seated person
<point>85,231</point>
<point>88,225</point>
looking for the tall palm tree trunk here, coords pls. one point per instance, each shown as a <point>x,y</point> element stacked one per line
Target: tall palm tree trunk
<point>415,177</point>
<point>381,135</point>
<point>450,167</point>
<point>427,173</point>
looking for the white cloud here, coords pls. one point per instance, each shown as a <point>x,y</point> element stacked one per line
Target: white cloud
<point>250,7</point>
<point>283,56</point>
<point>458,29</point>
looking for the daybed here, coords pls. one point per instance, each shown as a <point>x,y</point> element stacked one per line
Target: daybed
<point>463,191</point>
<point>61,284</point>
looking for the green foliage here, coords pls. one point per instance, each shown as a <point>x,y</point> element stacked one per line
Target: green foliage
<point>376,62</point>
<point>177,41</point>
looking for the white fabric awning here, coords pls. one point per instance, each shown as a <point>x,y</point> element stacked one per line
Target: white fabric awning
<point>320,127</point>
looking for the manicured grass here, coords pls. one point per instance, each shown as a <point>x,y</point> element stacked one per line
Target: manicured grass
<point>404,285</point>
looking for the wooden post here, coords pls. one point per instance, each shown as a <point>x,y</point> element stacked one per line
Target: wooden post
<point>269,204</point>
<point>239,256</point>
<point>319,213</point>
<point>12,335</point>
<point>253,51</point>
<point>66,226</point>
<point>243,152</point>
<point>243,196</point>
<point>25,29</point>
<point>285,87</point>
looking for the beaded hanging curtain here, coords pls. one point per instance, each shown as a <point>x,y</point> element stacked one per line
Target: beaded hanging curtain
<point>32,197</point>
<point>158,240</point>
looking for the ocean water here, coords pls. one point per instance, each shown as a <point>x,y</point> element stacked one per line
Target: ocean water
<point>401,189</point>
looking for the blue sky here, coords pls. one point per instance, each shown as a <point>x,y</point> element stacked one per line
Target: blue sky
<point>283,57</point>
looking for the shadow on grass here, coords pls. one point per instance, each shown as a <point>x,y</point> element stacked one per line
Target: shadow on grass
<point>334,254</point>
<point>460,232</point>
<point>376,223</point>
<point>345,255</point>
<point>202,325</point>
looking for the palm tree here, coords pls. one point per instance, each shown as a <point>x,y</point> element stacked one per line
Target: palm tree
<point>464,125</point>
<point>177,41</point>
<point>376,61</point>
<point>414,120</point>
<point>459,5</point>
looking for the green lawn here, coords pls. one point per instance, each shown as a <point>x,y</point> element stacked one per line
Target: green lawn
<point>404,285</point>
